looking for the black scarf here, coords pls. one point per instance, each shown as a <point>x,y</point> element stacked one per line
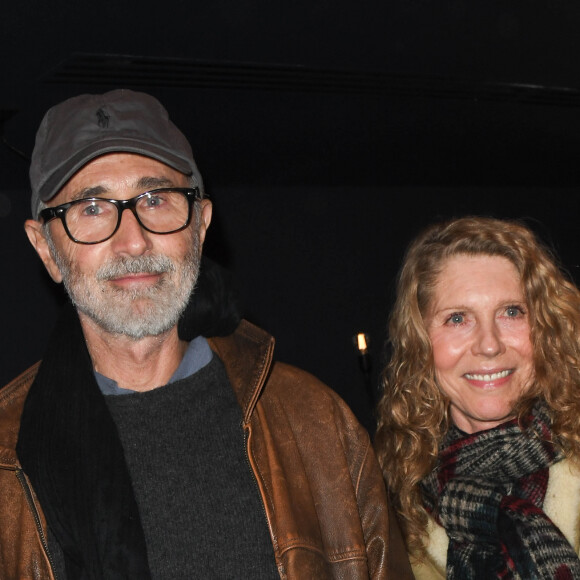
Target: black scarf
<point>69,446</point>
<point>488,493</point>
<point>70,449</point>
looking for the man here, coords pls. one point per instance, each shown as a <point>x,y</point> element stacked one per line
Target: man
<point>129,452</point>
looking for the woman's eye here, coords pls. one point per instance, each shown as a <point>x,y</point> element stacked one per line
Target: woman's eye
<point>456,318</point>
<point>513,311</point>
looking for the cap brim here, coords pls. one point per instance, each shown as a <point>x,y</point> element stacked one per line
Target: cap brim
<point>60,176</point>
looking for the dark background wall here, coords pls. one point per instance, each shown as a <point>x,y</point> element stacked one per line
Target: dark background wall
<point>314,266</point>
<point>328,133</point>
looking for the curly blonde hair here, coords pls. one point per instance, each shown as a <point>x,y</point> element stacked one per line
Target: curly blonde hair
<point>413,413</point>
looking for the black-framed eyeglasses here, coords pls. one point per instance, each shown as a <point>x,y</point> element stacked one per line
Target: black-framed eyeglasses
<point>94,220</point>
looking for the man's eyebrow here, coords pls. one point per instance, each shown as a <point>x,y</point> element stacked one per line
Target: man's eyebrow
<point>144,183</point>
<point>87,192</point>
<point>154,182</point>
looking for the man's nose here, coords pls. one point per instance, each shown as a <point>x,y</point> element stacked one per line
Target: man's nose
<point>130,238</point>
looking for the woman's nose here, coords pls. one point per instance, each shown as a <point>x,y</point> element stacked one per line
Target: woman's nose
<point>488,340</point>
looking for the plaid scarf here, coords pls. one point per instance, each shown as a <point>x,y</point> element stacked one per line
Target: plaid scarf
<point>487,492</point>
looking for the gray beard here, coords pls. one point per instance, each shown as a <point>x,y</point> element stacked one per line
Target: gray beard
<point>116,310</point>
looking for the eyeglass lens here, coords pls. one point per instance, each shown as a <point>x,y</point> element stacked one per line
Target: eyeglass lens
<point>95,219</point>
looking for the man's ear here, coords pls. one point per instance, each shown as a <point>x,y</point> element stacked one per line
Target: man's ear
<point>35,233</point>
<point>206,211</point>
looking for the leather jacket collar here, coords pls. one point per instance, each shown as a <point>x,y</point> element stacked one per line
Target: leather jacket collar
<point>247,355</point>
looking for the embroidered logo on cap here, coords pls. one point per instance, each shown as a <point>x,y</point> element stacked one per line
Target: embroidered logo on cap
<point>103,118</point>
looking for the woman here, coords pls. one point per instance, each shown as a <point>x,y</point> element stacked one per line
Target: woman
<point>479,423</point>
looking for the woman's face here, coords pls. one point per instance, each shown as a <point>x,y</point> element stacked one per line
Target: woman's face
<point>480,333</point>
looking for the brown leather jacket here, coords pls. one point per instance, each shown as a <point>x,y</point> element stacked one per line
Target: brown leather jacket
<point>322,490</point>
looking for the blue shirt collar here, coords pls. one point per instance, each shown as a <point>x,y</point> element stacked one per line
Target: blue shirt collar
<point>197,355</point>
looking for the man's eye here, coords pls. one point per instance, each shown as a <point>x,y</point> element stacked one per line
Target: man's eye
<point>513,311</point>
<point>92,210</point>
<point>153,201</point>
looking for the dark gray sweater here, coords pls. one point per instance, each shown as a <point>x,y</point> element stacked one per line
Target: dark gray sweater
<point>199,503</point>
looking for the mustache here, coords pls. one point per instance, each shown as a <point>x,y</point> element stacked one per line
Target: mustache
<point>158,264</point>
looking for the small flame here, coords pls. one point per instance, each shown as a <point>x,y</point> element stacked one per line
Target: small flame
<point>361,341</point>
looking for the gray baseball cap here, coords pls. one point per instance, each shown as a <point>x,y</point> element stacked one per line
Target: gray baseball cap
<point>80,129</point>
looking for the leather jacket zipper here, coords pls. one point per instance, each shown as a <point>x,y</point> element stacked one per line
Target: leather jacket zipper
<point>31,503</point>
<point>261,496</point>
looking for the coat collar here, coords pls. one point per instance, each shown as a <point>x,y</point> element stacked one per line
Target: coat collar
<point>247,355</point>
<point>12,398</point>
<point>561,504</point>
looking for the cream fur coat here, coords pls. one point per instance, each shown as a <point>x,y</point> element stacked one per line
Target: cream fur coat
<point>562,505</point>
